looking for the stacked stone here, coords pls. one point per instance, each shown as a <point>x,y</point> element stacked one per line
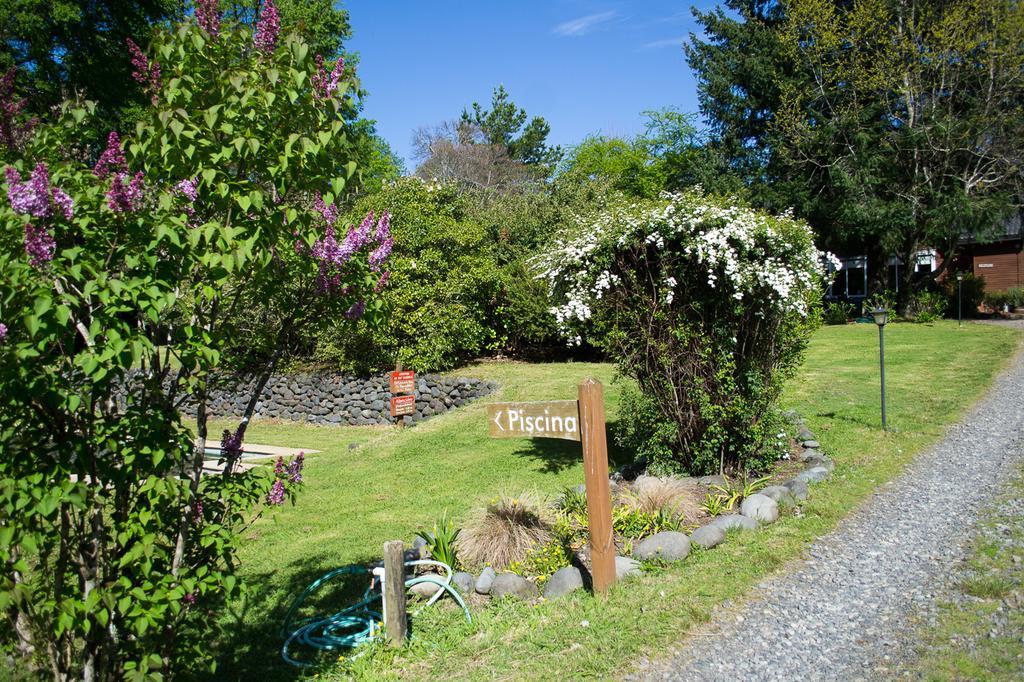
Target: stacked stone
<point>339,399</point>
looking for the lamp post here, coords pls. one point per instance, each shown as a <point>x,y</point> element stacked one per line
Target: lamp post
<point>881,316</point>
<point>959,305</point>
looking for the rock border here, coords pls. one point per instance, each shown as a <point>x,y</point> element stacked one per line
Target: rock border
<point>760,508</point>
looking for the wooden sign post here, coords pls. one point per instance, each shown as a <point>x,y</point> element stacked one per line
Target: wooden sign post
<point>578,420</point>
<point>402,382</point>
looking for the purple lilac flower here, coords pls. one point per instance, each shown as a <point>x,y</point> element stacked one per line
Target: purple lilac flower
<point>279,467</point>
<point>231,444</point>
<point>64,202</point>
<point>295,468</point>
<point>188,188</point>
<point>125,197</point>
<point>382,282</point>
<point>276,494</point>
<point>12,132</point>
<point>326,84</point>
<point>39,245</point>
<point>267,28</point>
<point>32,197</point>
<point>208,16</point>
<point>3,331</point>
<point>112,159</point>
<point>146,72</point>
<point>330,213</point>
<point>198,514</point>
<point>356,310</point>
<point>189,598</point>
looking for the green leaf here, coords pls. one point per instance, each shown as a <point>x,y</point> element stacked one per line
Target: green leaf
<point>176,127</point>
<point>243,202</point>
<point>208,175</point>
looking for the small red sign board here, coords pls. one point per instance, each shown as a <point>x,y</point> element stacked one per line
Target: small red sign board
<point>402,405</point>
<point>403,382</point>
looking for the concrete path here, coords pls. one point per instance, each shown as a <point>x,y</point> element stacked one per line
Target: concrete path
<point>847,612</point>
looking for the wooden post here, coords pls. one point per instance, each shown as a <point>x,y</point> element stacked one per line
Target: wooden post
<point>599,498</point>
<point>400,419</point>
<point>395,621</point>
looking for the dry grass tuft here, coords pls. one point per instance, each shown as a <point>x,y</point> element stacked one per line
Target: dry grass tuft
<point>505,530</point>
<point>651,494</point>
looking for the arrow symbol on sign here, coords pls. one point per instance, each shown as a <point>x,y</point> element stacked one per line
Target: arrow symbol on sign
<point>497,420</point>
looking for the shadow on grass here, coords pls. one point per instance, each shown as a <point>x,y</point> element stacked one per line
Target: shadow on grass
<point>555,456</point>
<point>249,647</point>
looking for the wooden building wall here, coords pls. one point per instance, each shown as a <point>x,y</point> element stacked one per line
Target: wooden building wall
<point>1001,265</point>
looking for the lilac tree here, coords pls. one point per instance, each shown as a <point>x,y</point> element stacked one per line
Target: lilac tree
<point>123,283</point>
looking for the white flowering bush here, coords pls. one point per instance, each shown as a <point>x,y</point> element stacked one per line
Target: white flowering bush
<point>707,305</point>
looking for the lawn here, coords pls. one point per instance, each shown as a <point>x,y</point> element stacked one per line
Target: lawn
<point>373,484</point>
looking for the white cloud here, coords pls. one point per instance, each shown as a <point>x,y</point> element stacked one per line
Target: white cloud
<point>584,25</point>
<point>667,42</point>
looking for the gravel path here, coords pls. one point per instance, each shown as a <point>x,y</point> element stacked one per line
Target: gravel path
<point>847,612</point>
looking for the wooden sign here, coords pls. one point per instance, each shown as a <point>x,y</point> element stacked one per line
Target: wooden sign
<point>403,404</point>
<point>403,382</point>
<point>579,420</point>
<point>554,419</point>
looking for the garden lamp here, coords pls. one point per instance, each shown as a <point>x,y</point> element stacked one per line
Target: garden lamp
<point>881,316</point>
<point>959,305</point>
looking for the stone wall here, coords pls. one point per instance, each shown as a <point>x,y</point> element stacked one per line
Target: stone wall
<point>334,399</point>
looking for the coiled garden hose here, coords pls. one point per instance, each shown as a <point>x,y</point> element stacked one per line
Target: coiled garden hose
<point>356,624</point>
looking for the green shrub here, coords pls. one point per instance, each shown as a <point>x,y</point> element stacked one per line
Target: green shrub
<point>971,294</point>
<point>542,561</point>
<point>837,312</point>
<point>632,522</point>
<point>643,431</point>
<point>707,306</point>
<point>456,290</point>
<point>927,306</point>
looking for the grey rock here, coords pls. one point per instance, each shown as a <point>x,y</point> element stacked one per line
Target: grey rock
<point>463,582</point>
<point>626,567</point>
<point>707,536</point>
<point>729,521</point>
<point>712,480</point>
<point>797,488</point>
<point>485,581</point>
<point>811,444</point>
<point>820,460</point>
<point>814,475</point>
<point>804,434</point>
<point>804,454</point>
<point>761,508</point>
<point>669,545</point>
<point>782,495</point>
<point>565,580</point>
<point>425,590</point>
<point>510,584</point>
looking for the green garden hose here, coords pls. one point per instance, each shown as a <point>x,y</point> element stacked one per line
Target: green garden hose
<point>356,624</point>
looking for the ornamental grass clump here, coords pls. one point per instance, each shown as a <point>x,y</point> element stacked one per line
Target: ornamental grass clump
<point>673,496</point>
<point>504,532</point>
<point>707,305</point>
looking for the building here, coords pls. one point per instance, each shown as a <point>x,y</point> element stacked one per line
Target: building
<point>999,259</point>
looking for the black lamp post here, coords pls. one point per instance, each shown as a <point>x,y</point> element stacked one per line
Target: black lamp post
<point>959,305</point>
<point>881,316</point>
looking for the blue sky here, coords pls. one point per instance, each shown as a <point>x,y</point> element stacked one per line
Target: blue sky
<point>585,66</point>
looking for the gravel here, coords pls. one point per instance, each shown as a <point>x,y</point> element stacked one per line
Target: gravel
<point>846,611</point>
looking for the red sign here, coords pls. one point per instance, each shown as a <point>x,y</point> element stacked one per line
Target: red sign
<point>403,404</point>
<point>403,382</point>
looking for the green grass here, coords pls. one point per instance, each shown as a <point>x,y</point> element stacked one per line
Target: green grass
<point>959,645</point>
<point>395,482</point>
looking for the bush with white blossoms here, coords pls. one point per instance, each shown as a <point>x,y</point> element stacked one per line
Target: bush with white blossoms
<point>708,306</point>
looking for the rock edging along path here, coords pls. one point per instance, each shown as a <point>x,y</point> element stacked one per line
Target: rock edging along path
<point>841,613</point>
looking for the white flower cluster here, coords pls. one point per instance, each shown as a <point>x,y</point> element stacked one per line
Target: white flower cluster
<point>742,253</point>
